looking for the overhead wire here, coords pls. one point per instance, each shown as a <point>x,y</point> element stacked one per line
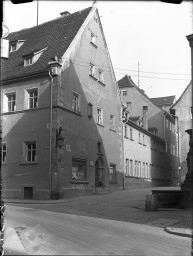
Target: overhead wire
<point>108,70</point>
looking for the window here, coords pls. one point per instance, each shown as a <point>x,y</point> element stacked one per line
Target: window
<point>125,131</point>
<point>100,116</point>
<point>143,139</point>
<point>32,98</point>
<point>139,138</point>
<point>30,151</point>
<point>76,102</point>
<point>92,70</point>
<point>166,147</point>
<point>171,149</point>
<point>13,47</point>
<point>139,169</point>
<point>78,169</point>
<point>136,166</point>
<point>143,174</point>
<point>3,153</point>
<point>131,167</point>
<point>127,167</point>
<point>101,76</point>
<point>11,100</point>
<point>112,172</point>
<point>112,122</point>
<point>131,133</point>
<point>90,109</point>
<point>28,61</point>
<point>167,123</point>
<point>99,147</point>
<point>146,171</point>
<point>124,93</point>
<point>93,38</point>
<point>170,125</point>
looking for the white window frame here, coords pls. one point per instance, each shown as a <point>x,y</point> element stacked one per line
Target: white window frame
<point>32,99</point>
<point>12,102</point>
<point>76,102</point>
<point>12,47</point>
<point>31,159</point>
<point>92,69</point>
<point>100,116</point>
<point>124,92</point>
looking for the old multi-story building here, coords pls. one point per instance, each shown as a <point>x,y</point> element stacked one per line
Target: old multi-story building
<point>60,110</point>
<point>181,110</point>
<point>158,126</point>
<point>164,102</point>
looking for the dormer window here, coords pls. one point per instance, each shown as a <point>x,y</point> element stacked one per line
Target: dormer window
<point>14,46</point>
<point>31,58</point>
<point>28,61</point>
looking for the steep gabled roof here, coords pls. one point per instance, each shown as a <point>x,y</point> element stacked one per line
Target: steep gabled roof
<point>182,94</point>
<point>126,81</point>
<point>163,101</point>
<point>55,36</point>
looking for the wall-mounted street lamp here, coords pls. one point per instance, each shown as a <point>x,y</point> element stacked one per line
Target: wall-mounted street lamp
<point>59,138</point>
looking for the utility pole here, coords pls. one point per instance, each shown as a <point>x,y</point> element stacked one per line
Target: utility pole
<point>138,75</point>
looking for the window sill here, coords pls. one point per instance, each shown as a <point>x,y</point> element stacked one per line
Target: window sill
<point>140,143</point>
<point>126,137</point>
<point>79,181</point>
<point>93,44</point>
<point>131,139</point>
<point>29,163</point>
<point>77,113</point>
<point>100,82</point>
<point>113,130</point>
<point>144,145</point>
<point>93,77</point>
<point>100,125</point>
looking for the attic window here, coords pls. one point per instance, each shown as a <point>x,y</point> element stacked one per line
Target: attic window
<point>14,46</point>
<point>93,39</point>
<point>32,58</point>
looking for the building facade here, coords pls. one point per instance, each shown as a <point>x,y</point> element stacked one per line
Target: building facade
<point>156,121</point>
<point>62,131</point>
<point>183,118</point>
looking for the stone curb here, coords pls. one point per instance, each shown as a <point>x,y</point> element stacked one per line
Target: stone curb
<point>12,244</point>
<point>179,231</point>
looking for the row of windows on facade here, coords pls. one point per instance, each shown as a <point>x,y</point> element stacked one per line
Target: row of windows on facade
<point>128,133</point>
<point>144,170</point>
<point>33,57</point>
<point>76,105</point>
<point>78,166</point>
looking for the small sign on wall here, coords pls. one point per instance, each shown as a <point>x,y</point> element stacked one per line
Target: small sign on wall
<point>4,48</point>
<point>91,163</point>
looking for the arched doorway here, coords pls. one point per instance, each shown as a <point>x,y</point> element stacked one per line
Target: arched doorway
<point>99,173</point>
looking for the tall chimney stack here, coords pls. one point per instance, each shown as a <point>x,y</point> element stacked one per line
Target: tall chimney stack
<point>145,121</point>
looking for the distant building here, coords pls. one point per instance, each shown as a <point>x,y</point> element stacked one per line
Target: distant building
<point>155,121</point>
<point>183,118</point>
<point>164,102</point>
<point>62,130</point>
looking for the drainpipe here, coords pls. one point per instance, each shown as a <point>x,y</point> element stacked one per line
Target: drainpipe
<point>50,136</point>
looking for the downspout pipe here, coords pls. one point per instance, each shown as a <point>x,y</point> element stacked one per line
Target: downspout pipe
<point>50,137</point>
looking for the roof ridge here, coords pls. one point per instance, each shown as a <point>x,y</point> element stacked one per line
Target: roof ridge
<point>49,21</point>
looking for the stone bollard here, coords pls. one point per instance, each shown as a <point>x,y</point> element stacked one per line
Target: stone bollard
<point>151,203</point>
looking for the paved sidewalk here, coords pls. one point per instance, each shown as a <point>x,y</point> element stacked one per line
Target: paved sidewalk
<point>118,205</point>
<point>12,243</point>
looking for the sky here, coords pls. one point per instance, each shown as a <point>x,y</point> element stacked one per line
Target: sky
<point>146,40</point>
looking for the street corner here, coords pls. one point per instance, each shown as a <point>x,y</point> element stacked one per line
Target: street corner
<point>12,243</point>
<point>186,232</point>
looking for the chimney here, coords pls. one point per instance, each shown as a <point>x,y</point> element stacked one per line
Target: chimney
<point>64,14</point>
<point>145,121</point>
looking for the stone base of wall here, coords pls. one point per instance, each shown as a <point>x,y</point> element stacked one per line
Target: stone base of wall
<point>76,192</point>
<point>39,194</point>
<point>132,182</point>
